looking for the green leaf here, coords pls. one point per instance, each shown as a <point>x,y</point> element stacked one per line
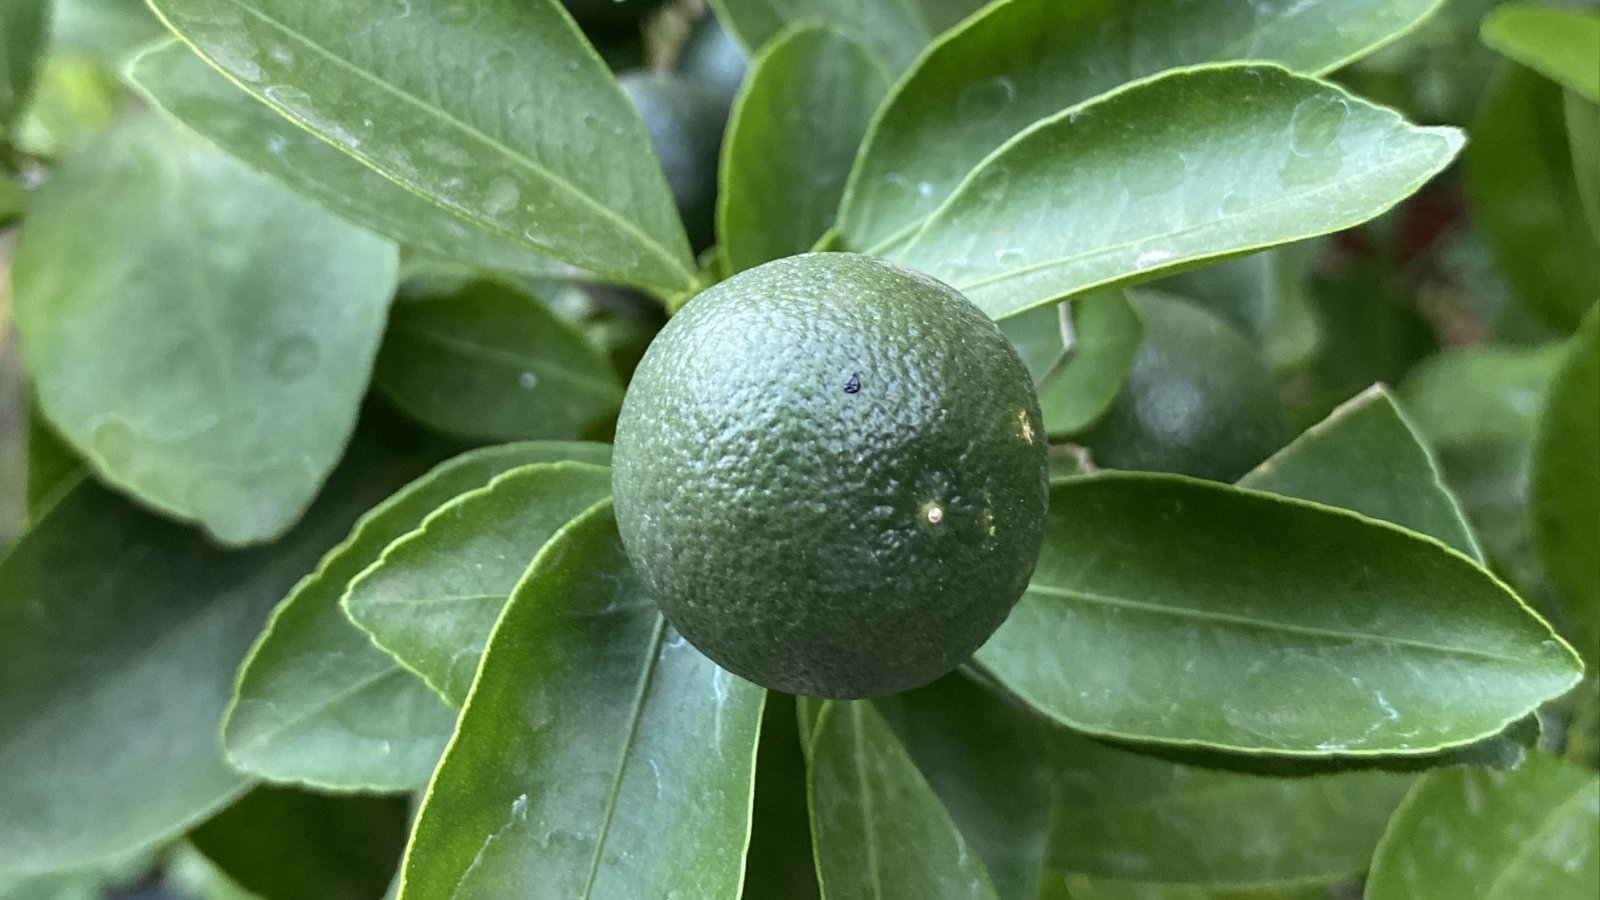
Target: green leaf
<point>120,633</point>
<point>1583,142</point>
<point>1106,331</point>
<point>1368,458</point>
<point>24,27</point>
<point>1073,886</point>
<point>1263,295</point>
<point>1079,354</point>
<point>244,321</point>
<point>990,764</point>
<point>879,828</point>
<point>942,15</point>
<point>52,466</point>
<point>1300,630</point>
<point>790,143</point>
<point>1023,60</point>
<point>285,844</point>
<point>180,82</point>
<point>497,111</point>
<point>13,199</point>
<point>599,754</point>
<point>780,864</point>
<point>433,597</point>
<point>1525,198</point>
<point>1149,178</point>
<point>894,30</point>
<point>316,702</point>
<point>484,359</point>
<point>1122,815</point>
<point>1560,44</point>
<point>1534,832</point>
<point>1565,492</point>
<point>1478,408</point>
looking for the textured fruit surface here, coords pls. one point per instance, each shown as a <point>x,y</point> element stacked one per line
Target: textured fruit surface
<point>1198,401</point>
<point>831,473</point>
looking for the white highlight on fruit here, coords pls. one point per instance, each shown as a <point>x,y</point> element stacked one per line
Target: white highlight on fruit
<point>935,514</point>
<point>1027,426</point>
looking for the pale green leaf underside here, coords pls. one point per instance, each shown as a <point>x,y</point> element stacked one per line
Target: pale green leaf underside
<point>880,832</point>
<point>1489,835</point>
<point>1289,628</point>
<point>1021,61</point>
<point>180,82</point>
<point>433,597</point>
<point>316,702</point>
<point>245,320</point>
<point>599,754</point>
<point>496,110</point>
<point>1188,166</point>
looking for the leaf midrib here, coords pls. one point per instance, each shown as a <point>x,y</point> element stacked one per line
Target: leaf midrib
<point>1254,211</point>
<point>652,663</point>
<point>539,170</point>
<point>1213,616</point>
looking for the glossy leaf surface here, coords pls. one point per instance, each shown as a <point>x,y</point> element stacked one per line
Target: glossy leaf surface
<point>880,829</point>
<point>318,703</point>
<point>782,175</point>
<point>1368,458</point>
<point>433,597</point>
<point>599,754</point>
<point>547,152</point>
<point>1305,630</point>
<point>1491,835</point>
<point>990,763</point>
<point>245,321</point>
<point>1191,165</point>
<point>199,96</point>
<point>484,359</point>
<point>1021,61</point>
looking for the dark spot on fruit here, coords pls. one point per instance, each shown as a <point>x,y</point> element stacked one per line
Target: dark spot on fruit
<point>853,385</point>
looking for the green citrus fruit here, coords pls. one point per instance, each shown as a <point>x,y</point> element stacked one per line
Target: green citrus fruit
<point>831,473</point>
<point>1198,401</point>
<point>712,59</point>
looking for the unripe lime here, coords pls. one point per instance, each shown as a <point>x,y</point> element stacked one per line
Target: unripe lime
<point>830,471</point>
<point>1198,401</point>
